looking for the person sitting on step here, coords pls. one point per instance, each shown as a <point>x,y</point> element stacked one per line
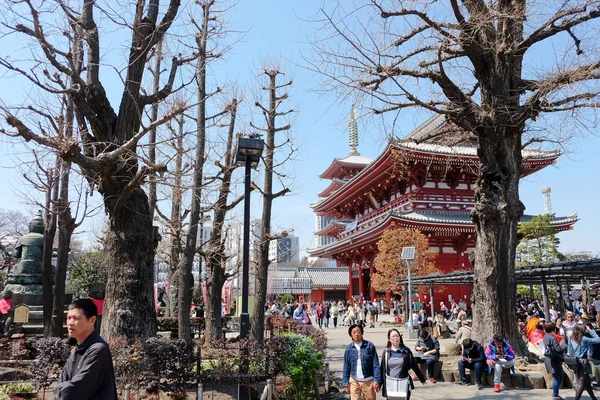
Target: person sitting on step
<point>428,351</point>
<point>500,355</point>
<point>473,357</point>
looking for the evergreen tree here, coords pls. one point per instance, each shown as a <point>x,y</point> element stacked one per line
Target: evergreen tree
<point>539,244</point>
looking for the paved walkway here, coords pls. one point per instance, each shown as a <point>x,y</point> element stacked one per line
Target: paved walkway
<point>338,339</point>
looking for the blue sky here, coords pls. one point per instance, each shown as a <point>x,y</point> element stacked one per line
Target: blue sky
<point>279,29</point>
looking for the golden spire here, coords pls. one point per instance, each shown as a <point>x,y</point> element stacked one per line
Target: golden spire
<point>353,132</point>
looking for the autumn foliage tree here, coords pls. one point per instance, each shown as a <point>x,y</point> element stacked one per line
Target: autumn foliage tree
<point>389,267</point>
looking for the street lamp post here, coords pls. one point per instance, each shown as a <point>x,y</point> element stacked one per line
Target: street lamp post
<point>249,150</point>
<point>408,254</point>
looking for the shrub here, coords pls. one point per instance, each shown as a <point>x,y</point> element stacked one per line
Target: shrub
<point>301,363</point>
<point>280,324</point>
<point>172,360</point>
<point>7,391</point>
<point>129,362</point>
<point>51,354</point>
<point>171,324</point>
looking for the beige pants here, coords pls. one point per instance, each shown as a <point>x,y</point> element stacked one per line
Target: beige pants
<point>357,388</point>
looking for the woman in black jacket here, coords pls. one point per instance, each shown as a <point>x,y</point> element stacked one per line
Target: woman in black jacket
<point>397,360</point>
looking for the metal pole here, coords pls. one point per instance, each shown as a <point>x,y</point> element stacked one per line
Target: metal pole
<point>431,300</point>
<point>561,300</point>
<point>200,393</point>
<point>409,300</point>
<point>545,298</point>
<point>244,317</point>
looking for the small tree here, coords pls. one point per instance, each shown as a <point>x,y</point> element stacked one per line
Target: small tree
<point>388,266</point>
<point>87,271</point>
<point>539,244</point>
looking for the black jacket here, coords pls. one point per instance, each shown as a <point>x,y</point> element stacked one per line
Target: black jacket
<point>409,363</point>
<point>431,343</point>
<point>476,354</point>
<point>88,373</point>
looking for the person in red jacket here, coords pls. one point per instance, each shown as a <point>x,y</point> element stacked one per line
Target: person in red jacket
<point>98,299</point>
<point>5,309</point>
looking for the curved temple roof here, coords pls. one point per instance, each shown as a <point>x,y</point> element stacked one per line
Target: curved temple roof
<point>436,221</point>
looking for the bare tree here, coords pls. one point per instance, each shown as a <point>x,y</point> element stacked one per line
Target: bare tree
<point>474,62</point>
<point>215,253</point>
<point>13,225</point>
<point>175,222</point>
<point>276,96</point>
<point>186,279</point>
<point>107,151</point>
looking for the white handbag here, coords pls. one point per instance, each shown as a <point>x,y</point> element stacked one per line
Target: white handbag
<point>396,388</point>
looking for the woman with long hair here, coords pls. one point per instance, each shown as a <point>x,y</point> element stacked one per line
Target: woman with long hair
<point>396,361</point>
<point>578,346</point>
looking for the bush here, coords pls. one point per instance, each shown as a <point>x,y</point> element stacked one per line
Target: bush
<point>172,360</point>
<point>7,391</point>
<point>171,324</point>
<point>280,324</point>
<point>129,362</point>
<point>301,363</point>
<point>51,355</point>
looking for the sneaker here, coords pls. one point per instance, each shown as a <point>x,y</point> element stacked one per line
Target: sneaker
<point>479,386</point>
<point>463,383</point>
<point>415,378</point>
<point>497,387</point>
<point>432,380</point>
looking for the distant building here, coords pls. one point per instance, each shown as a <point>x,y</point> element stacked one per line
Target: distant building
<point>309,284</point>
<point>285,250</point>
<point>322,222</point>
<point>234,247</point>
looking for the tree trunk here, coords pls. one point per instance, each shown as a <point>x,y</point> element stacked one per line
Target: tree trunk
<point>152,134</point>
<point>66,226</point>
<point>49,235</point>
<point>262,269</point>
<point>130,245</point>
<point>186,279</point>
<point>270,113</point>
<point>175,222</point>
<point>215,261</point>
<point>496,214</point>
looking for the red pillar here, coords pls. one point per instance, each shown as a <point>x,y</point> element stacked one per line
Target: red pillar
<point>371,272</point>
<point>388,297</point>
<point>361,282</point>
<point>350,280</point>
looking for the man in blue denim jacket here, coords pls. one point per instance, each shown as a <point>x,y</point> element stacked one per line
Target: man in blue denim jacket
<point>361,366</point>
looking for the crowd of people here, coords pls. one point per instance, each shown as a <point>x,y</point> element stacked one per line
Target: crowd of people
<point>365,373</point>
<point>330,314</point>
<point>563,337</point>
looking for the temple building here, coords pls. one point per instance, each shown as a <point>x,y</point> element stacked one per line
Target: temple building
<point>424,181</point>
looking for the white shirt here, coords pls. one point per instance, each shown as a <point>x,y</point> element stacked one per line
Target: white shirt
<point>359,373</point>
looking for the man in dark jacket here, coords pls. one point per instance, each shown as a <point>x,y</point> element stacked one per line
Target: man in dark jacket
<point>473,357</point>
<point>88,373</point>
<point>428,350</point>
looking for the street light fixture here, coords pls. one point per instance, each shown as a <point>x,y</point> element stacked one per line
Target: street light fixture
<point>249,150</point>
<point>408,254</point>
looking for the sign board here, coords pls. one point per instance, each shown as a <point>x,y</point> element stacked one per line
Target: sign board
<point>21,314</point>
